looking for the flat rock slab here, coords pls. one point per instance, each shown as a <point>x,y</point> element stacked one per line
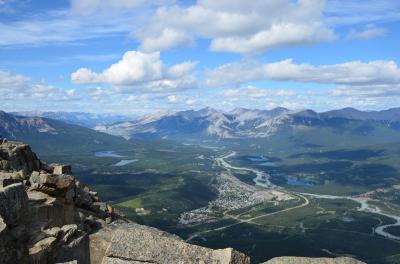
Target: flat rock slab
<point>135,243</point>
<point>108,260</point>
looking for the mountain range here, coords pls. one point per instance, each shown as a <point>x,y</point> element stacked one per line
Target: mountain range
<point>78,118</point>
<point>249,123</point>
<point>340,125</point>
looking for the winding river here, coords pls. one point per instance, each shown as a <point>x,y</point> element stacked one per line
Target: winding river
<point>263,179</point>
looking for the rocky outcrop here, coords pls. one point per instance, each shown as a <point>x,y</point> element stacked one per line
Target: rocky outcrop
<point>18,158</point>
<point>47,216</point>
<point>133,243</point>
<point>301,260</point>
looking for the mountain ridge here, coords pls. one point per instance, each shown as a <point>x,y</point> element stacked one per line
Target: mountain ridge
<point>85,119</point>
<point>243,123</point>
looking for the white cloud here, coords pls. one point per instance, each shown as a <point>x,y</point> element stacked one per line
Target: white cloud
<point>112,7</point>
<point>172,98</point>
<point>350,73</point>
<point>255,97</point>
<point>182,69</point>
<point>88,7</point>
<point>369,32</point>
<point>169,38</point>
<point>234,73</point>
<point>351,12</point>
<point>237,26</point>
<point>141,69</point>
<point>134,67</point>
<point>190,102</point>
<point>85,75</point>
<point>383,90</point>
<point>83,20</point>
<point>365,97</point>
<point>252,92</point>
<point>60,28</point>
<point>10,82</point>
<point>16,86</point>
<point>277,36</point>
<point>353,72</point>
<point>131,98</point>
<point>234,26</point>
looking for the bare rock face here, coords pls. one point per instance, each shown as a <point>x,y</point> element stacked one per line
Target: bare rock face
<point>301,260</point>
<point>13,211</point>
<point>133,243</point>
<point>13,204</point>
<point>8,246</point>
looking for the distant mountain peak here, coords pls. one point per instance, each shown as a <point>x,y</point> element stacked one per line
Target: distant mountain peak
<point>279,108</point>
<point>207,110</point>
<point>307,113</point>
<point>239,110</point>
<point>392,114</point>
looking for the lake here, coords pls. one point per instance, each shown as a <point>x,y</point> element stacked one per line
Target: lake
<point>107,153</point>
<point>298,182</point>
<point>124,162</point>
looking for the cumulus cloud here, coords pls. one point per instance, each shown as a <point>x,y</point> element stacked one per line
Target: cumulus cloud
<point>144,69</point>
<point>169,38</point>
<point>350,73</point>
<point>237,26</point>
<point>134,67</point>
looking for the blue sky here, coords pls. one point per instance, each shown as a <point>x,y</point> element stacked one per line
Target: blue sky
<point>135,57</point>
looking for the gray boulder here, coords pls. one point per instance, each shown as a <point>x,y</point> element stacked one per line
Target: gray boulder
<point>52,184</point>
<point>61,169</point>
<point>82,198</point>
